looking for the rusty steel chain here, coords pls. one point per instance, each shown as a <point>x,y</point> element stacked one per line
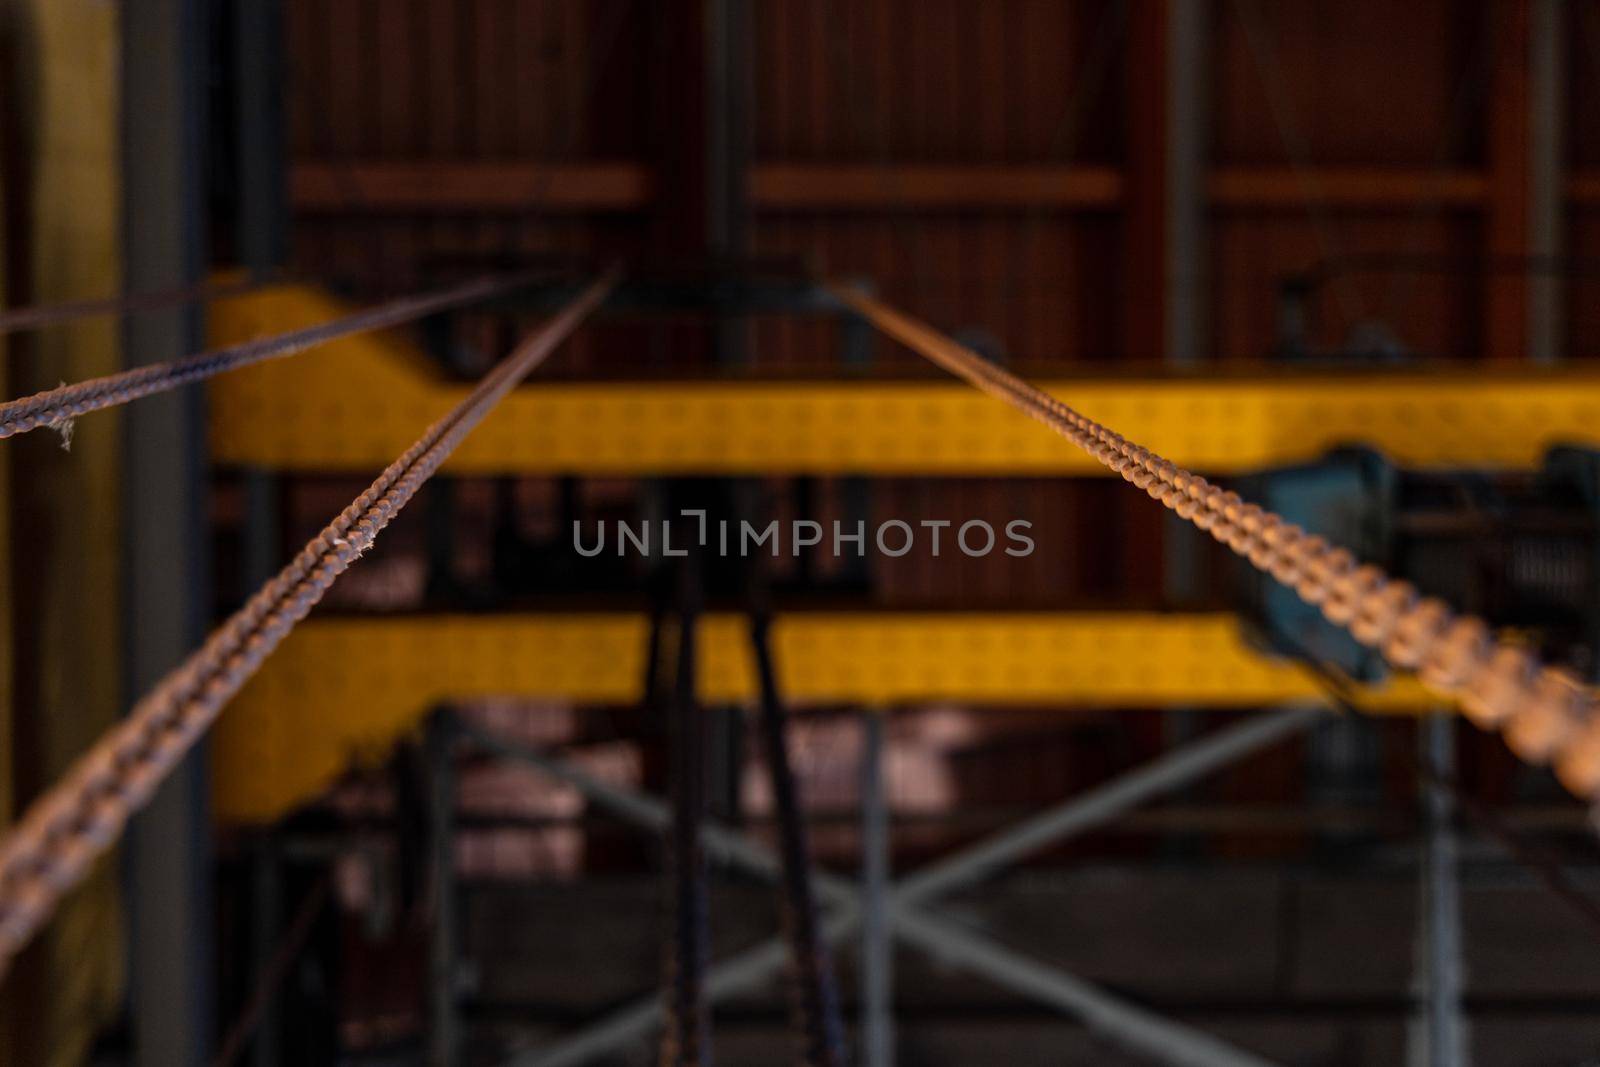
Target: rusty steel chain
<point>53,846</point>
<point>55,406</point>
<point>1546,714</point>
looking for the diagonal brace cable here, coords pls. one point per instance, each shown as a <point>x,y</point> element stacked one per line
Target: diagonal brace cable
<point>815,994</point>
<point>18,320</point>
<point>54,406</point>
<point>54,845</point>
<point>1110,1016</point>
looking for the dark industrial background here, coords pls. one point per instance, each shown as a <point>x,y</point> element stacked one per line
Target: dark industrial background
<point>1091,191</point>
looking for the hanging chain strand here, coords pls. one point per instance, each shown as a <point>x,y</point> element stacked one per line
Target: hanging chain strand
<point>53,846</point>
<point>1545,713</point>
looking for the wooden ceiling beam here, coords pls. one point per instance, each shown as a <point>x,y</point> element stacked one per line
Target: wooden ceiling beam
<point>410,186</point>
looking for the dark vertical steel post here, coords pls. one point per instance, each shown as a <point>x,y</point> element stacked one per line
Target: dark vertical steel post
<point>1508,223</point>
<point>727,103</point>
<point>443,1031</point>
<point>1170,132</point>
<point>1440,1039</point>
<point>262,237</point>
<point>727,107</point>
<point>816,997</point>
<point>267,907</point>
<point>260,142</point>
<point>856,348</point>
<point>169,853</point>
<point>877,946</point>
<point>686,1039</point>
<point>1546,203</point>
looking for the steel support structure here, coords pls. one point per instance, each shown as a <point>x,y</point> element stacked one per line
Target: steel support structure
<point>261,149</point>
<point>1439,1037</point>
<point>1116,1020</point>
<point>686,1039</point>
<point>877,945</point>
<point>1510,164</point>
<point>1546,186</point>
<point>266,927</point>
<point>1182,247</point>
<point>169,856</point>
<point>444,1026</point>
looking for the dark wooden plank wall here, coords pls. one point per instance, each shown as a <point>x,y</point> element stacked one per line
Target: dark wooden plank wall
<point>1582,140</point>
<point>1363,85</point>
<point>1351,92</point>
<point>452,81</point>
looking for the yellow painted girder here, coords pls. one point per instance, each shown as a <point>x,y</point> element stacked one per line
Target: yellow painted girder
<point>355,404</point>
<point>340,689</point>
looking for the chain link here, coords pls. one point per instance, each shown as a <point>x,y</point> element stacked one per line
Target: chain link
<point>54,845</point>
<point>1545,713</point>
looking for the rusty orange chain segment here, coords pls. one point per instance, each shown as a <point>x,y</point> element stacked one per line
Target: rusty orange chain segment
<point>57,840</point>
<point>54,406</point>
<point>1546,713</point>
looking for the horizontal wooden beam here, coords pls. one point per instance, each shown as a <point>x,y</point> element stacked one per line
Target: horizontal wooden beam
<point>1353,187</point>
<point>475,186</point>
<point>442,186</point>
<point>1583,188</point>
<point>834,187</point>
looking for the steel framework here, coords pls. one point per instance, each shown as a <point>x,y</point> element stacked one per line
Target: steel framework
<point>903,904</point>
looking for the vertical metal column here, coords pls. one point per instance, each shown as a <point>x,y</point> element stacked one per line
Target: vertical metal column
<point>877,945</point>
<point>1439,1038</point>
<point>728,141</point>
<point>856,348</point>
<point>686,1039</point>
<point>1187,128</point>
<point>261,228</point>
<point>169,854</point>
<point>267,925</point>
<point>260,141</point>
<point>1184,247</point>
<point>1546,198</point>
<point>444,1040</point>
<point>1183,562</point>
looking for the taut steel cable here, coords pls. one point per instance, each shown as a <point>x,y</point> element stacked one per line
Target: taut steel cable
<point>53,846</point>
<point>54,406</point>
<point>16,320</point>
<point>1546,713</point>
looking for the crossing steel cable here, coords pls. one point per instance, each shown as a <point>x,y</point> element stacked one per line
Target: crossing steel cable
<point>270,980</point>
<point>54,406</point>
<point>686,1035</point>
<point>16,320</point>
<point>57,840</point>
<point>1546,714</point>
<point>815,995</point>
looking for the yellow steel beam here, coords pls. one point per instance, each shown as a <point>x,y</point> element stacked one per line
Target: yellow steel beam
<point>354,404</point>
<point>339,688</point>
